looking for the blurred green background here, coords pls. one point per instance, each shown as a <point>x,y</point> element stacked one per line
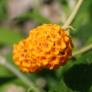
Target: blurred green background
<point>17,17</point>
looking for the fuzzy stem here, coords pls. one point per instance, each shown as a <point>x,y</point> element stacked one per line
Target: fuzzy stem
<point>82,50</point>
<point>73,14</point>
<point>19,74</point>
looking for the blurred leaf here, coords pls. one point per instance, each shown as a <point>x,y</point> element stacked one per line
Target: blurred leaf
<point>83,15</point>
<point>89,40</point>
<point>86,58</point>
<point>6,79</point>
<point>50,77</point>
<point>8,56</point>
<point>36,16</point>
<point>62,69</point>
<point>83,34</point>
<point>90,90</point>
<point>64,2</point>
<point>7,36</point>
<point>3,14</point>
<point>4,72</point>
<point>79,77</point>
<point>61,87</point>
<point>30,90</point>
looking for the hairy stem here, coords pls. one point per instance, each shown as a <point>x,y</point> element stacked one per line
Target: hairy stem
<point>82,50</point>
<point>73,14</point>
<point>19,74</point>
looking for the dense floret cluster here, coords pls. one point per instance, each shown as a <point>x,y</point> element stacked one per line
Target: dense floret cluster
<point>47,46</point>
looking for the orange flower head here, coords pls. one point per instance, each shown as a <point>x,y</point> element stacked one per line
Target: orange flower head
<point>47,46</point>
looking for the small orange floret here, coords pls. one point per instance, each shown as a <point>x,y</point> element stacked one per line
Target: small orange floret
<point>47,46</point>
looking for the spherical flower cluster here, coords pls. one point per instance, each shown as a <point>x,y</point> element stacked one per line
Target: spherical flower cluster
<point>47,46</point>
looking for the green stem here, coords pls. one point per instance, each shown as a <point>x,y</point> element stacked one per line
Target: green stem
<point>19,74</point>
<point>82,50</point>
<point>73,14</point>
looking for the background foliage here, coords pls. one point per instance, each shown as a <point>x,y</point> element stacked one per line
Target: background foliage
<point>75,76</point>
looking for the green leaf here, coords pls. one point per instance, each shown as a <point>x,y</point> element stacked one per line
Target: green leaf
<point>86,58</point>
<point>35,15</point>
<point>4,72</point>
<point>61,87</point>
<point>8,36</point>
<point>3,14</point>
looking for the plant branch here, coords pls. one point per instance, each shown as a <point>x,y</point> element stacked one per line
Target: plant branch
<point>19,74</point>
<point>73,14</point>
<point>82,50</point>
